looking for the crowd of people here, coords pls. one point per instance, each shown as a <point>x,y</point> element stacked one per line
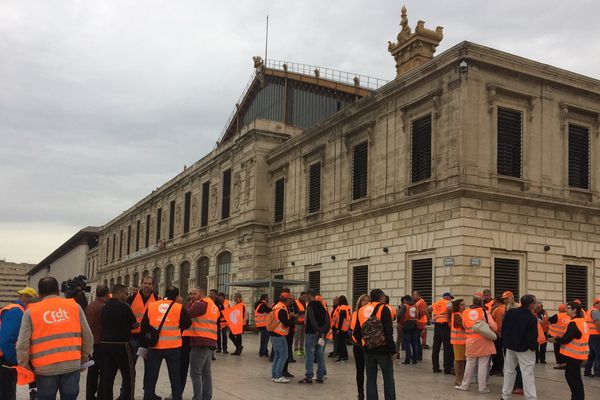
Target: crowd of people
<point>47,340</point>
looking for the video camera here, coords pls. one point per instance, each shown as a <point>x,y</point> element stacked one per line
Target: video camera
<point>69,288</point>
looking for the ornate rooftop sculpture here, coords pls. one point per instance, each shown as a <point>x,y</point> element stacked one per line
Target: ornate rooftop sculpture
<point>414,49</point>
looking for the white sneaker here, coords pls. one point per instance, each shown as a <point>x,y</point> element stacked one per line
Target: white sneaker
<point>484,391</point>
<point>281,380</point>
<point>460,388</point>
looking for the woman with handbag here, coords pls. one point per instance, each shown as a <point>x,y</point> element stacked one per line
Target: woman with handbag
<point>479,327</point>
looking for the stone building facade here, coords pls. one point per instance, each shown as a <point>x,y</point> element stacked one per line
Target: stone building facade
<point>13,277</point>
<point>470,170</point>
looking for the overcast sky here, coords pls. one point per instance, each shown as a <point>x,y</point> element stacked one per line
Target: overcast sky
<point>103,101</point>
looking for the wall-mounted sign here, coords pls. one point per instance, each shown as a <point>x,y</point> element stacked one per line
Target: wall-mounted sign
<point>448,261</point>
<point>476,261</point>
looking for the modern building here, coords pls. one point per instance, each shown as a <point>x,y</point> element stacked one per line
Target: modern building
<point>472,169</point>
<point>13,277</point>
<point>69,260</point>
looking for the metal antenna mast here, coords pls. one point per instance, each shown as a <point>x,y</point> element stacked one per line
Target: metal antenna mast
<point>267,39</point>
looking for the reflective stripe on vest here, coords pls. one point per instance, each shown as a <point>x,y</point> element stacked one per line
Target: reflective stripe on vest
<point>558,329</point>
<point>260,319</point>
<point>56,332</point>
<point>139,308</point>
<point>346,322</point>
<point>301,312</point>
<point>280,329</point>
<point>577,348</point>
<point>457,335</point>
<point>591,326</point>
<point>439,311</point>
<point>170,334</point>
<point>205,326</point>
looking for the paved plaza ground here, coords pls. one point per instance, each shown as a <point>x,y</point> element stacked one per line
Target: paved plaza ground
<point>248,377</point>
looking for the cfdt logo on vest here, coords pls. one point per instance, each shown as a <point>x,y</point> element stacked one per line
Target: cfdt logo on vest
<point>56,316</point>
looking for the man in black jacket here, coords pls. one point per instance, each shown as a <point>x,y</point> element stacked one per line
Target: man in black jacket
<point>381,356</point>
<point>519,338</point>
<point>317,325</point>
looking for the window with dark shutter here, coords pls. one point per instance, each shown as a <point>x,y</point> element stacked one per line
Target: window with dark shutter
<point>158,223</point>
<point>128,239</point>
<point>510,135</point>
<point>314,187</point>
<point>171,219</point>
<point>314,281</point>
<point>107,247</point>
<point>138,225</point>
<point>360,170</point>
<point>422,280</point>
<point>506,276</point>
<point>147,241</point>
<point>114,245</point>
<point>277,290</point>
<point>420,149</point>
<point>279,198</point>
<point>205,193</point>
<point>186,212</point>
<point>579,156</point>
<point>576,283</point>
<point>121,244</point>
<point>226,200</point>
<point>360,282</point>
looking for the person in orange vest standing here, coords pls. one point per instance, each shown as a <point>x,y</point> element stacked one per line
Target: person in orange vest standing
<point>236,319</point>
<point>55,339</point>
<point>498,311</point>
<point>441,311</point>
<point>592,321</point>
<point>410,332</point>
<point>139,302</point>
<point>488,300</point>
<point>203,339</point>
<point>558,326</point>
<point>300,324</point>
<point>542,316</point>
<point>170,319</point>
<point>284,320</point>
<point>574,348</point>
<point>223,303</point>
<point>357,350</point>
<point>10,323</point>
<point>340,324</point>
<point>421,306</point>
<point>261,311</point>
<point>458,339</point>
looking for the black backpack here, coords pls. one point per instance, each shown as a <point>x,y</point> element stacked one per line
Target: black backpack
<point>372,331</point>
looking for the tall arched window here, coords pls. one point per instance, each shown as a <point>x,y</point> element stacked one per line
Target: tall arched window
<point>223,271</point>
<point>119,280</point>
<point>136,279</point>
<point>184,278</point>
<point>202,272</point>
<point>169,275</point>
<point>112,283</point>
<point>127,280</point>
<point>106,283</point>
<point>156,277</point>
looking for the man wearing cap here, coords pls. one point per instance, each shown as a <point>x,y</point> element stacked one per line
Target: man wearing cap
<point>441,311</point>
<point>509,300</point>
<point>592,322</point>
<point>10,324</point>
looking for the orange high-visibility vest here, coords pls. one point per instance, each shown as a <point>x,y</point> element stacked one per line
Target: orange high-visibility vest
<point>336,318</point>
<point>365,313</point>
<point>226,305</point>
<point>423,318</point>
<point>392,311</point>
<point>489,305</point>
<point>170,334</point>
<point>541,337</point>
<point>205,325</point>
<point>56,332</point>
<point>470,317</point>
<point>439,311</point>
<point>235,318</point>
<point>260,319</point>
<point>558,329</point>
<point>544,322</point>
<point>457,335</point>
<point>280,329</point>
<point>353,321</point>
<point>139,308</point>
<point>591,326</point>
<point>577,348</point>
<point>301,309</point>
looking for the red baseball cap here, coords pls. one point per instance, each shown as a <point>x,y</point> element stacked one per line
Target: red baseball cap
<point>507,294</point>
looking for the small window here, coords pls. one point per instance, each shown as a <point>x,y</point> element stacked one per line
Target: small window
<point>576,283</point>
<point>138,225</point>
<point>158,223</point>
<point>186,212</point>
<point>579,157</point>
<point>147,241</point>
<point>226,200</point>
<point>314,187</point>
<point>171,219</point>
<point>204,208</point>
<point>360,282</point>
<point>223,271</point>
<point>279,199</point>
<point>422,278</point>
<point>314,281</point>
<point>510,134</point>
<point>360,171</point>
<point>420,149</point>
<point>506,276</point>
<point>128,239</point>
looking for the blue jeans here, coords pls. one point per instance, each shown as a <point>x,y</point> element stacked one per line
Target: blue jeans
<point>594,356</point>
<point>66,384</point>
<point>152,369</point>
<point>264,341</point>
<point>280,355</point>
<point>385,363</point>
<point>312,350</point>
<point>411,340</point>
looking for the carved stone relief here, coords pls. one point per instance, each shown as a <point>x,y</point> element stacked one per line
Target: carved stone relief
<point>237,183</point>
<point>194,211</point>
<point>178,218</point>
<point>213,201</point>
